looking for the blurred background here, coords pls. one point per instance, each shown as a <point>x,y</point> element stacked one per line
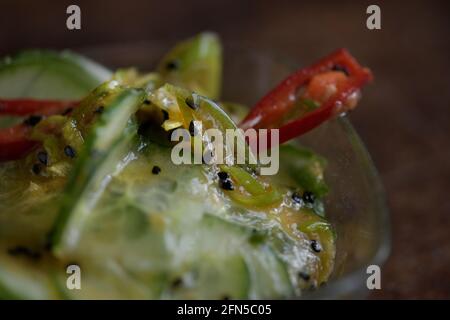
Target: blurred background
<point>404,117</point>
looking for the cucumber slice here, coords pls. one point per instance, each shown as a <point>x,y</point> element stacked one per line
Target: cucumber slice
<point>209,262</point>
<point>24,279</point>
<point>49,75</point>
<point>305,168</point>
<point>269,275</point>
<point>195,64</point>
<point>107,143</point>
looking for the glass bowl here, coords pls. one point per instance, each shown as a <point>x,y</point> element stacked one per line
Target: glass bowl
<point>356,203</point>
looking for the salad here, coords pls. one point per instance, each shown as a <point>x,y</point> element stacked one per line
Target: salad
<point>87,179</point>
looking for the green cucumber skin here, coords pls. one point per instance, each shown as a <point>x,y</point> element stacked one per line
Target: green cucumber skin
<point>47,74</point>
<point>199,65</point>
<point>94,155</point>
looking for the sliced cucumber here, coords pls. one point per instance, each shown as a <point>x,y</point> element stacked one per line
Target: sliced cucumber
<point>49,75</point>
<point>24,279</point>
<point>208,262</point>
<point>305,168</point>
<point>195,64</point>
<point>107,143</point>
<point>269,275</point>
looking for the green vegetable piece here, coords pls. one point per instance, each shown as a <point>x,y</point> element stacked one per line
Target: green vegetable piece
<point>195,64</point>
<point>107,143</point>
<point>245,179</point>
<point>49,75</point>
<point>305,167</point>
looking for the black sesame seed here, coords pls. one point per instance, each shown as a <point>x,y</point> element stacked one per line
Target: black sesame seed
<point>156,170</point>
<point>226,184</point>
<point>296,197</point>
<point>223,175</point>
<point>43,157</point>
<point>191,103</point>
<point>226,297</point>
<point>165,114</point>
<point>315,246</point>
<point>338,67</point>
<point>36,168</point>
<point>225,181</point>
<point>99,110</point>
<point>173,65</point>
<point>304,276</point>
<point>308,197</point>
<point>146,101</point>
<point>177,282</point>
<point>69,151</point>
<point>32,120</point>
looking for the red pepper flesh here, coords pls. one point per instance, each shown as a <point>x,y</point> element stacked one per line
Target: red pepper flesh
<point>272,107</point>
<point>14,143</point>
<point>25,107</point>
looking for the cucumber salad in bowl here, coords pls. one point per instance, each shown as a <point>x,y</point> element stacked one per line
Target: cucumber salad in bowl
<point>89,183</point>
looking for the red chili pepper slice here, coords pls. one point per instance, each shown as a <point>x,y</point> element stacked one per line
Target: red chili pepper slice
<point>24,107</point>
<point>272,107</point>
<point>332,107</point>
<point>14,143</point>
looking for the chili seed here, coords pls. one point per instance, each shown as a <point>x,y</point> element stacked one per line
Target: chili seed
<point>173,65</point>
<point>338,67</point>
<point>32,120</point>
<point>43,157</point>
<point>156,170</point>
<point>69,151</point>
<point>315,246</point>
<point>308,197</point>
<point>191,103</point>
<point>296,197</point>
<point>36,168</point>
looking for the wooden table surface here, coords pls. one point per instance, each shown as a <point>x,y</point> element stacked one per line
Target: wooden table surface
<point>404,117</point>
